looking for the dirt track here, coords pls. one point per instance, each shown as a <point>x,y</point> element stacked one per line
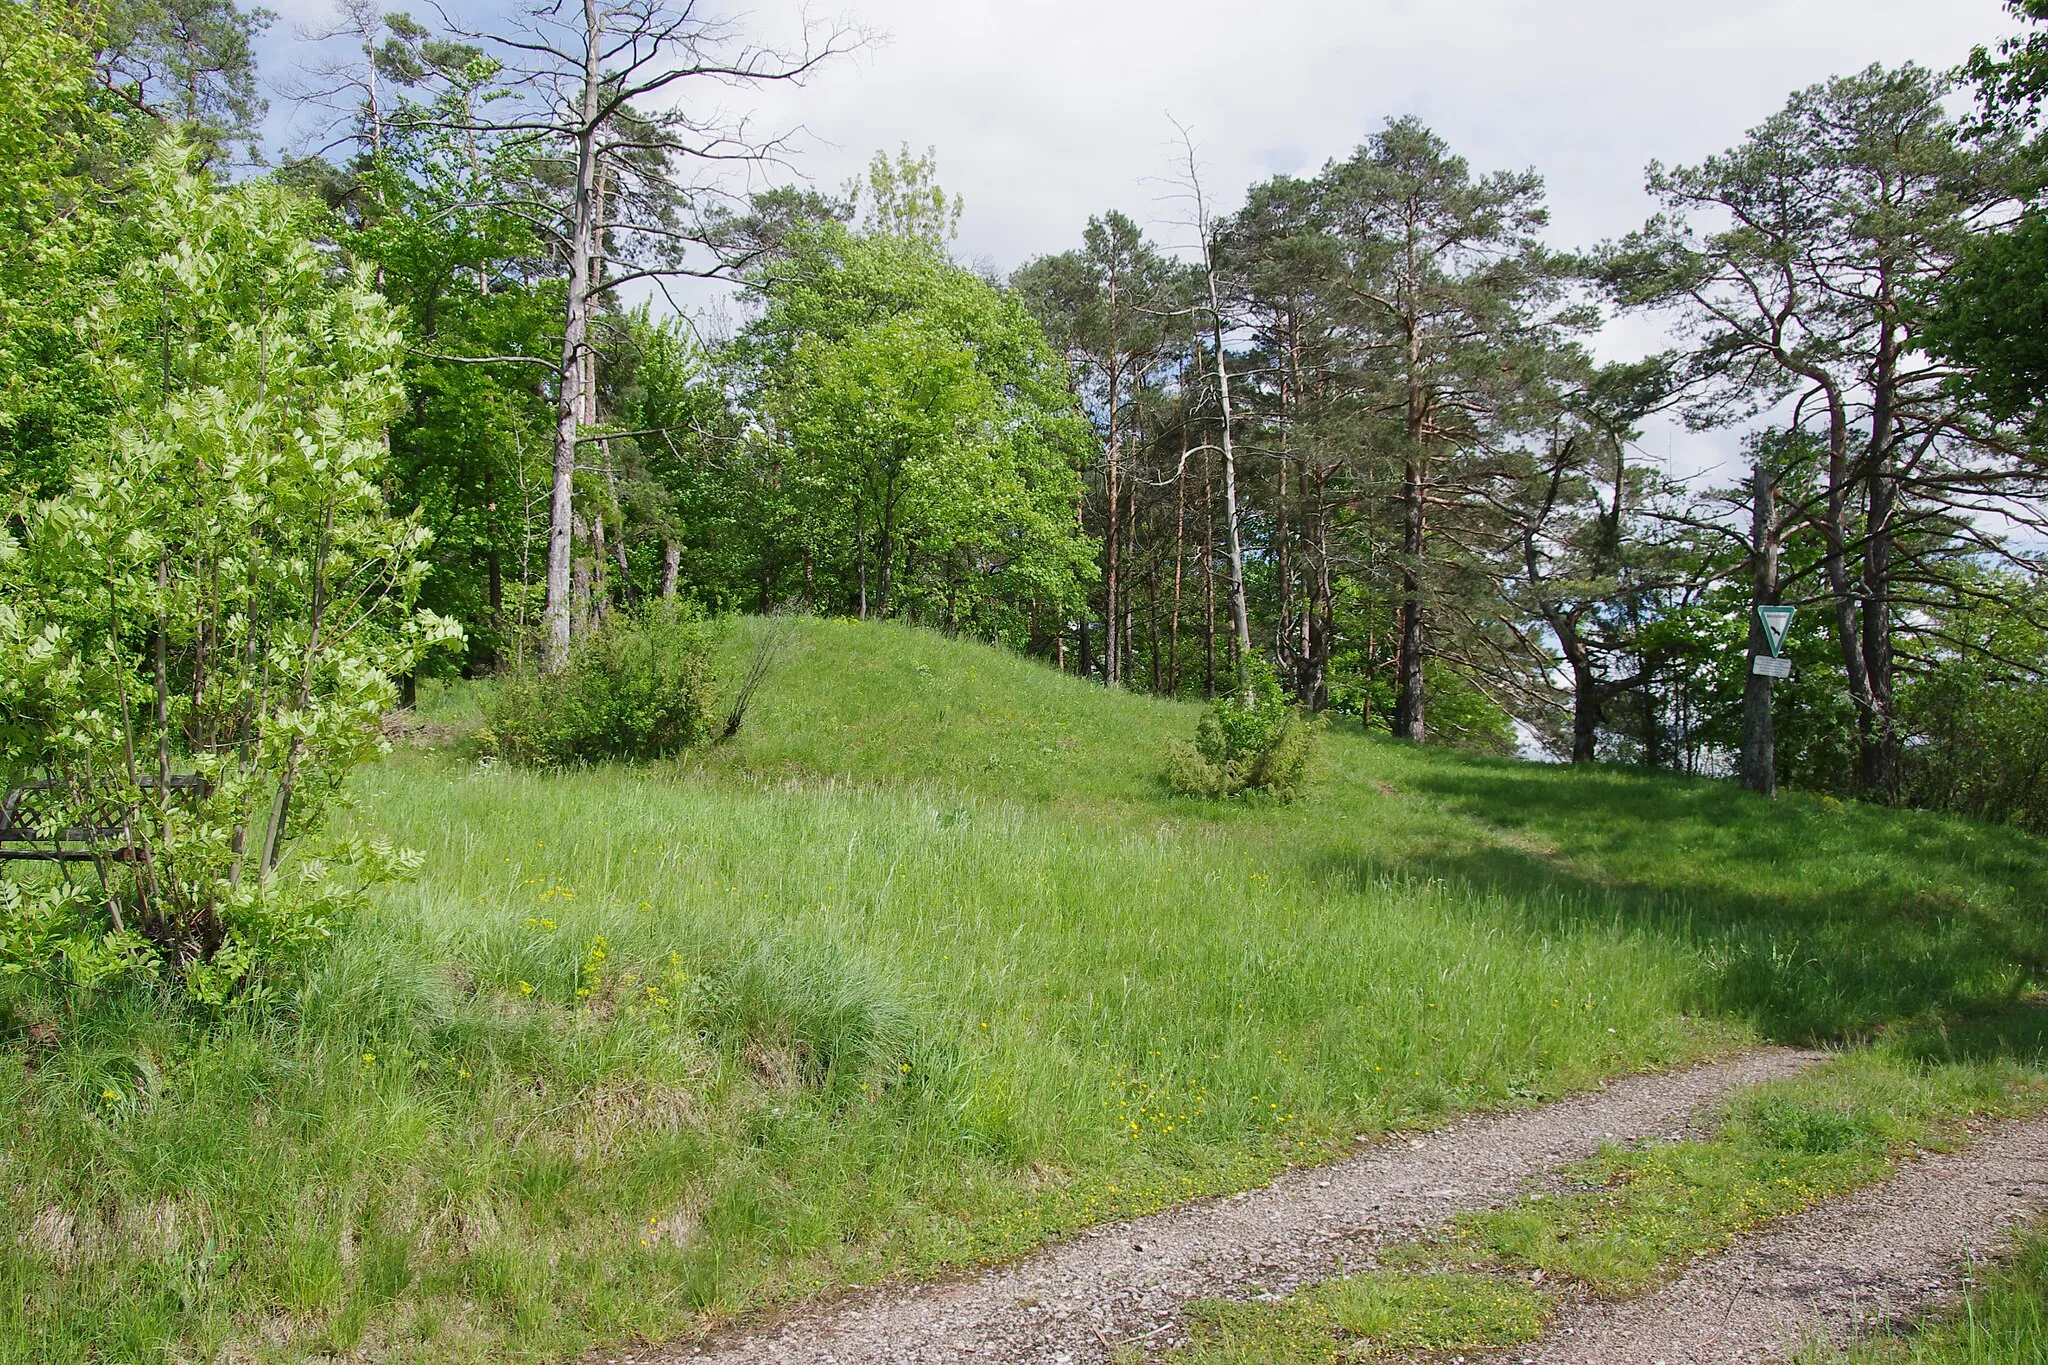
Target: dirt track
<point>1125,1284</point>
<point>1869,1259</point>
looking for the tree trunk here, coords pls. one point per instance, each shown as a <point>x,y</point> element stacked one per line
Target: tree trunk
<point>1239,618</point>
<point>579,597</point>
<point>1835,554</point>
<point>1180,526</point>
<point>1320,622</point>
<point>1208,583</point>
<point>1283,564</point>
<point>575,331</point>
<point>1112,645</point>
<point>1152,627</point>
<point>1127,641</point>
<point>1879,756</point>
<point>1759,743</point>
<point>671,567</point>
<point>1409,720</point>
<point>885,548</point>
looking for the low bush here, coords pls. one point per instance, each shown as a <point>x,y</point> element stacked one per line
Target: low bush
<point>639,688</point>
<point>1255,742</point>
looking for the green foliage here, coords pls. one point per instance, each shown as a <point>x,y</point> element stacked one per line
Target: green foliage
<point>469,276</point>
<point>62,149</point>
<point>220,593</point>
<point>902,198</point>
<point>924,448</point>
<point>634,689</point>
<point>1463,717</point>
<point>1256,742</point>
<point>191,63</point>
<point>1988,315</point>
<point>1977,719</point>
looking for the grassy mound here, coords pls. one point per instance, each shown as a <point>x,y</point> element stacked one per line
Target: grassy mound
<point>924,967</point>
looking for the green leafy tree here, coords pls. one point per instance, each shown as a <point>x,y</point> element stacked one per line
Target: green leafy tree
<point>190,64</point>
<point>922,447</point>
<point>1988,315</point>
<point>1110,307</point>
<point>430,210</point>
<point>1794,261</point>
<point>1452,299</point>
<point>902,197</point>
<point>64,149</point>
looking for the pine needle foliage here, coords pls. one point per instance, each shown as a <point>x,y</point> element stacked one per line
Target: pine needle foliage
<point>1252,741</point>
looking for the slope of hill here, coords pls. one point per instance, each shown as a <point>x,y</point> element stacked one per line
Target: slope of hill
<point>922,969</point>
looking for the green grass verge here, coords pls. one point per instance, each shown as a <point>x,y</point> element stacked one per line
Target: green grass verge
<point>924,969</point>
<point>1374,1316</point>
<point>1626,1221</point>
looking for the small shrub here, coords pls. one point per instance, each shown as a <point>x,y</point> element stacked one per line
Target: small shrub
<point>638,689</point>
<point>1244,744</point>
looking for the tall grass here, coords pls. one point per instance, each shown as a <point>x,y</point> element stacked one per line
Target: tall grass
<point>924,967</point>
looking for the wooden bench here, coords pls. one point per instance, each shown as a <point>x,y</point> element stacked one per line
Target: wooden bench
<point>17,827</point>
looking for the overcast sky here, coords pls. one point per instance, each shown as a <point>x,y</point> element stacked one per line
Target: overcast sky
<point>1045,111</point>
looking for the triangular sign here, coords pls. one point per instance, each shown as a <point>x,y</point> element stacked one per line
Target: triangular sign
<point>1776,621</point>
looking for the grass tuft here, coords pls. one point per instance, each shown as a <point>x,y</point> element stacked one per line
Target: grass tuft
<point>1368,1317</point>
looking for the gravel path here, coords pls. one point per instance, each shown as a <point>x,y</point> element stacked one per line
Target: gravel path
<point>1866,1260</point>
<point>1127,1283</point>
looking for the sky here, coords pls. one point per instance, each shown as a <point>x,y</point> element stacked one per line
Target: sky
<point>1043,112</point>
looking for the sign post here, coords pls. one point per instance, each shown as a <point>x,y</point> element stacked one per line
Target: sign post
<point>1775,621</point>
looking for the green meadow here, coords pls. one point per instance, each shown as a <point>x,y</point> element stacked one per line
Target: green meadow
<point>923,968</point>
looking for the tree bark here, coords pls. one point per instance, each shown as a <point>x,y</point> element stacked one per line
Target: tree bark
<point>575,332</point>
<point>885,548</point>
<point>1878,756</point>
<point>1409,720</point>
<point>1180,526</point>
<point>1208,583</point>
<point>1239,618</point>
<point>1410,723</point>
<point>1759,743</point>
<point>1112,645</point>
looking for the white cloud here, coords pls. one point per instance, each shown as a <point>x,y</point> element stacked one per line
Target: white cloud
<point>1045,111</point>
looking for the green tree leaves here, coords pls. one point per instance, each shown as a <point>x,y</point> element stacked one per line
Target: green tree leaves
<point>219,594</point>
<point>924,443</point>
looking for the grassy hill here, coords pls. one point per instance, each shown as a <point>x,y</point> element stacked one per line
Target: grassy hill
<point>925,967</point>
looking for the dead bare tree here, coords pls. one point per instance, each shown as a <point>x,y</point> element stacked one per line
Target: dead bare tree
<point>1219,328</point>
<point>607,99</point>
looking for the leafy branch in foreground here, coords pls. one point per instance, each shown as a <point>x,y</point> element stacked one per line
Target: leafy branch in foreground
<point>197,638</point>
